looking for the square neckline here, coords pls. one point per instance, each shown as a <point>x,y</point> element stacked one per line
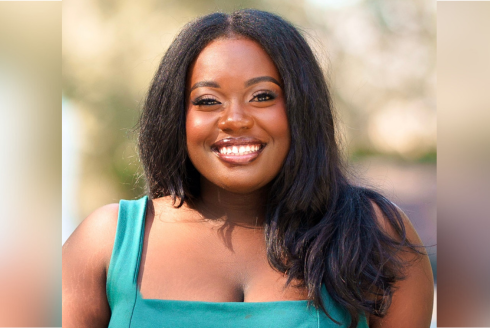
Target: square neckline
<point>204,303</point>
<point>128,305</point>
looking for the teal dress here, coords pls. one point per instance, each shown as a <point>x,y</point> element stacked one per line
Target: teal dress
<point>130,309</point>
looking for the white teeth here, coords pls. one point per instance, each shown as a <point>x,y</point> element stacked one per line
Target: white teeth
<point>239,150</point>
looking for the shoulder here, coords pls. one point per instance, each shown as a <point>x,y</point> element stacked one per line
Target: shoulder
<point>388,227</point>
<point>412,301</point>
<point>97,233</point>
<point>105,216</point>
<point>165,208</point>
<point>85,259</point>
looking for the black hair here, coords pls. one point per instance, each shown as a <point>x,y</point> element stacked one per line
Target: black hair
<point>320,229</point>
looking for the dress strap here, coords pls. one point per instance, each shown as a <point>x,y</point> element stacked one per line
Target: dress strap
<point>122,276</point>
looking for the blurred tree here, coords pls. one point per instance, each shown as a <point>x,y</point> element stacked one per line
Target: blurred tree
<point>379,57</point>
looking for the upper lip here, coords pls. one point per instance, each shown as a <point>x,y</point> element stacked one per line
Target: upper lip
<point>226,142</point>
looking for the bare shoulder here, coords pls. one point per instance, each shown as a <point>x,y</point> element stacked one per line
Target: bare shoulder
<point>99,223</point>
<point>97,233</point>
<point>85,259</point>
<point>413,298</point>
<point>383,222</point>
<point>165,209</point>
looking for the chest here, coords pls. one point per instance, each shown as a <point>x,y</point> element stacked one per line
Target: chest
<point>162,308</point>
<point>212,263</point>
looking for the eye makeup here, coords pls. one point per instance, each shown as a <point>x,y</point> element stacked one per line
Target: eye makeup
<point>205,100</point>
<point>263,95</point>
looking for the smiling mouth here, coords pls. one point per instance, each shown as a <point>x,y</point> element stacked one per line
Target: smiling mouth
<point>238,150</point>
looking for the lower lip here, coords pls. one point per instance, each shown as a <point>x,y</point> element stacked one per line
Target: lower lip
<point>239,159</point>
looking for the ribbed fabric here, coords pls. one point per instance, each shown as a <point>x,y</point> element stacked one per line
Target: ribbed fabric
<point>129,309</point>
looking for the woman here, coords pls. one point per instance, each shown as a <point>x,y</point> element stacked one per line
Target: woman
<point>250,220</point>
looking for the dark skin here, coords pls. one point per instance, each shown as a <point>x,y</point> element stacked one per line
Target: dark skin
<point>216,246</point>
<point>214,249</point>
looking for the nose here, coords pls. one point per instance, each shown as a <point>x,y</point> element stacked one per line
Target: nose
<point>235,118</point>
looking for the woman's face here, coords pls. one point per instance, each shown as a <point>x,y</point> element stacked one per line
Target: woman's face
<point>236,124</point>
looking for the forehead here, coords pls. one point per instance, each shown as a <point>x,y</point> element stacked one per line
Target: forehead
<point>237,58</point>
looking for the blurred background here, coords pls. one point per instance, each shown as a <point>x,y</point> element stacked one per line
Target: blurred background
<point>463,71</point>
<point>379,58</point>
<point>30,144</point>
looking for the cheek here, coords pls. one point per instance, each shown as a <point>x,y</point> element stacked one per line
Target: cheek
<point>282,126</point>
<point>195,127</point>
<point>200,127</point>
<point>277,124</point>
<point>282,138</point>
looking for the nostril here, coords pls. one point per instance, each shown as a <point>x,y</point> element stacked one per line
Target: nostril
<point>236,121</point>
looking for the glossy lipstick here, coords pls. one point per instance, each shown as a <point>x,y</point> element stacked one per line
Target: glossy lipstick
<point>241,150</point>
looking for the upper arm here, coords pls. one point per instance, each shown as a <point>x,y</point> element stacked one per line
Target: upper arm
<point>85,258</point>
<point>412,300</point>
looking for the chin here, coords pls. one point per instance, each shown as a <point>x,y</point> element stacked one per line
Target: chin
<point>240,187</point>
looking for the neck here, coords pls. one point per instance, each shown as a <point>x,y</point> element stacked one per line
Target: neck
<point>245,209</point>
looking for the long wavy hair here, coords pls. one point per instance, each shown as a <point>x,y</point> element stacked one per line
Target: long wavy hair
<point>320,229</point>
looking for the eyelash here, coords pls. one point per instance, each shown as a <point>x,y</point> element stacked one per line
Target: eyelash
<point>205,101</point>
<point>264,94</point>
<point>211,101</point>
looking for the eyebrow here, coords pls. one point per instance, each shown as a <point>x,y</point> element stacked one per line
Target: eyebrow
<point>248,83</point>
<point>201,84</point>
<point>256,80</point>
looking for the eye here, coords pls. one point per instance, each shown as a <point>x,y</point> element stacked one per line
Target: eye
<point>261,96</point>
<point>205,101</point>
